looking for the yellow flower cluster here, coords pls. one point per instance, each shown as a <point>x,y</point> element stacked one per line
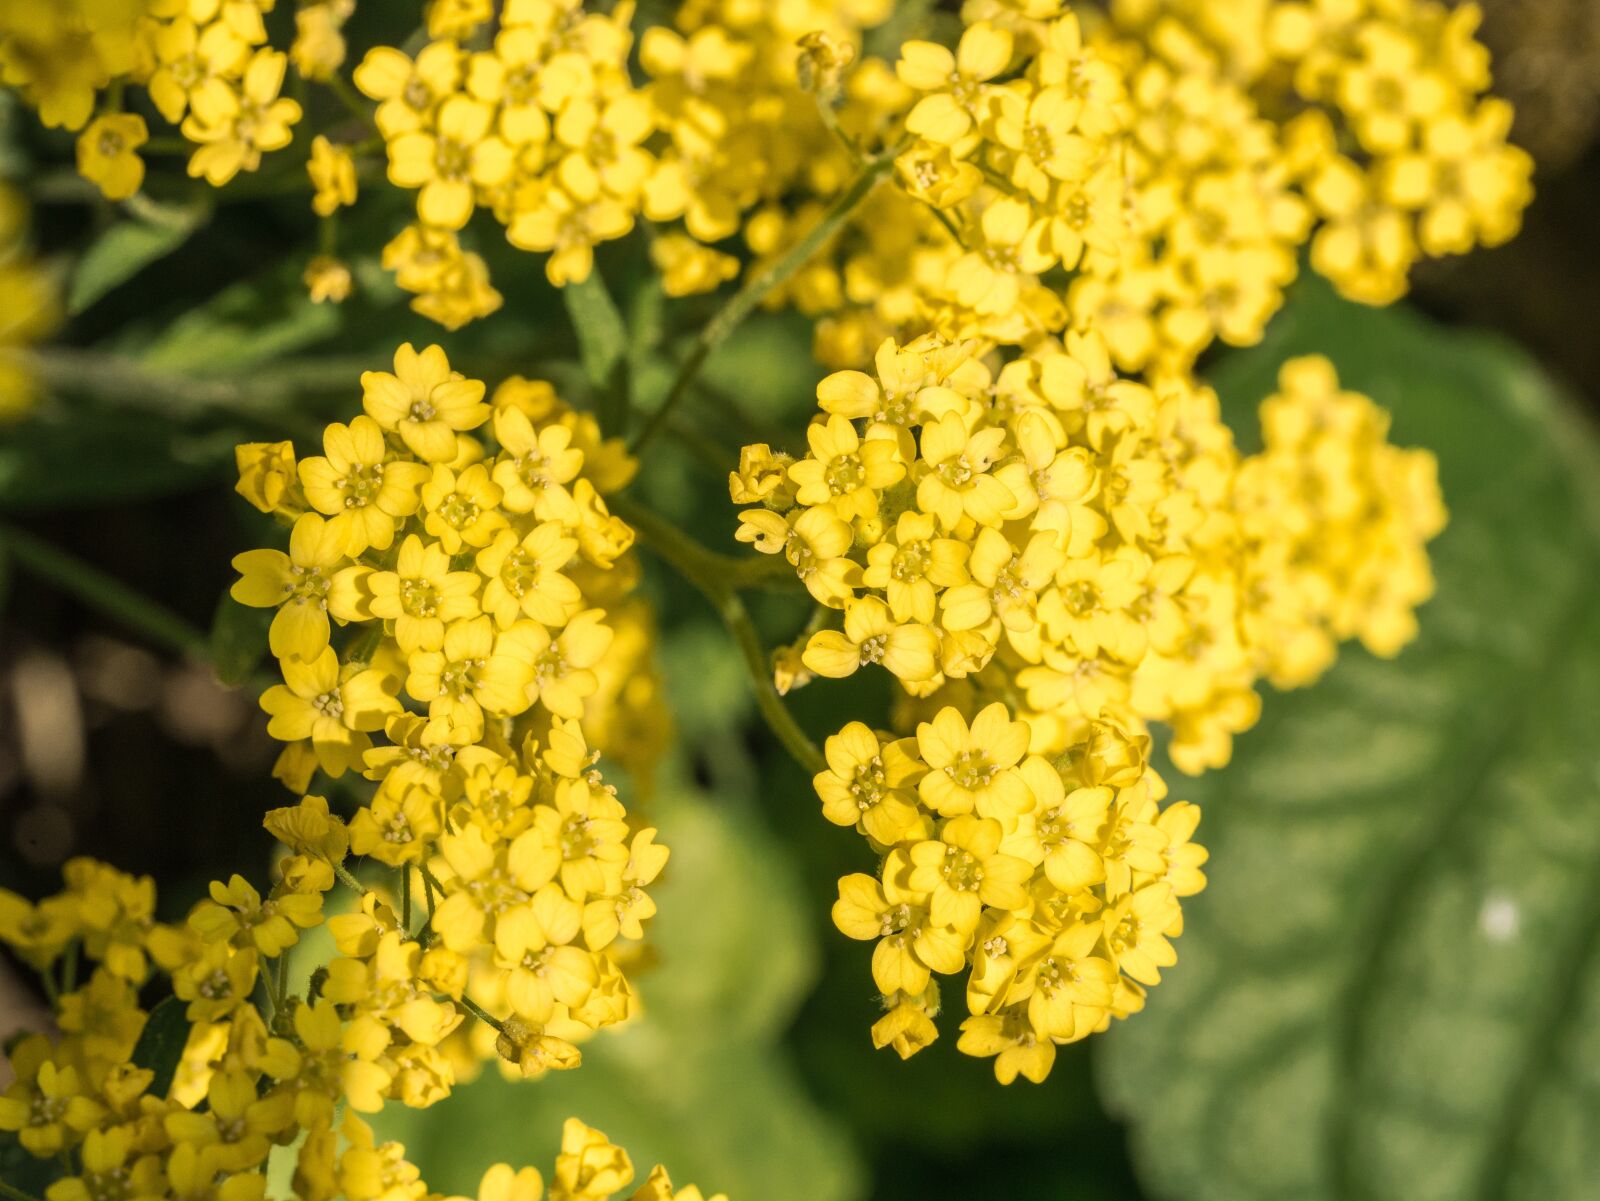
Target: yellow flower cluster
<point>474,579</point>
<point>1152,177</point>
<point>1056,880</point>
<point>1385,128</point>
<point>546,129</point>
<point>204,63</point>
<point>246,1084</point>
<point>1088,550</point>
<point>28,302</point>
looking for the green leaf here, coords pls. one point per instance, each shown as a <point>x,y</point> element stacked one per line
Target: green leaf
<point>160,1046</point>
<point>238,640</point>
<point>603,347</point>
<point>697,1082</point>
<point>119,254</point>
<point>1392,987</point>
<point>59,457</point>
<point>246,324</point>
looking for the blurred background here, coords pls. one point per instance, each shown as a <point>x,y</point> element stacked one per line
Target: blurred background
<point>1390,988</point>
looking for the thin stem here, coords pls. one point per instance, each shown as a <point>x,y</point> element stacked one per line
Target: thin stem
<point>428,889</point>
<point>756,288</point>
<point>771,572</point>
<point>479,1012</point>
<point>718,577</point>
<point>354,102</point>
<point>104,593</point>
<point>280,984</point>
<point>405,899</point>
<point>347,878</point>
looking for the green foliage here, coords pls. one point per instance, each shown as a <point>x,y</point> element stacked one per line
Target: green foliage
<point>238,640</point>
<point>125,249</point>
<point>160,1045</point>
<point>699,1083</point>
<point>1391,988</point>
<point>63,458</point>
<point>246,324</point>
<point>602,346</point>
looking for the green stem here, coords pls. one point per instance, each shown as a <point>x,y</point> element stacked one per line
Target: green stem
<point>347,878</point>
<point>431,888</point>
<point>280,984</point>
<point>479,1012</point>
<point>354,102</point>
<point>405,900</point>
<point>770,572</point>
<point>718,577</point>
<point>756,289</point>
<point>100,591</point>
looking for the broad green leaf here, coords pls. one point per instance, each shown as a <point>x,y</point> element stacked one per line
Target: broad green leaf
<point>697,1082</point>
<point>1391,989</point>
<point>238,640</point>
<point>119,254</point>
<point>160,1046</point>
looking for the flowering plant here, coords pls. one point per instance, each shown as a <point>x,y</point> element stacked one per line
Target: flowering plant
<point>1011,510</point>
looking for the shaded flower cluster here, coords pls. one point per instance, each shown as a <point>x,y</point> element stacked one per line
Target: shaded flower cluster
<point>250,1080</point>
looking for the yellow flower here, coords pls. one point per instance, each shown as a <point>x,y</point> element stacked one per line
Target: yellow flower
<point>424,402</point>
<point>108,154</point>
<point>524,576</point>
<point>1071,985</point>
<point>589,1167</point>
<point>462,509</point>
<point>190,59</point>
<point>844,470</point>
<point>421,595</point>
<point>235,124</point>
<point>335,709</point>
<point>869,783</point>
<point>534,465</point>
<point>871,635</point>
<point>333,175</point>
<point>328,279</point>
<point>356,484</point>
<point>46,1105</point>
<point>408,91</point>
<point>956,477</point>
<point>501,1183</point>
<point>400,825</point>
<point>267,473</point>
<point>974,768</point>
<point>1137,928</point>
<point>449,160</point>
<point>296,584</point>
<point>689,268</point>
<point>956,81</point>
<point>963,869</point>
